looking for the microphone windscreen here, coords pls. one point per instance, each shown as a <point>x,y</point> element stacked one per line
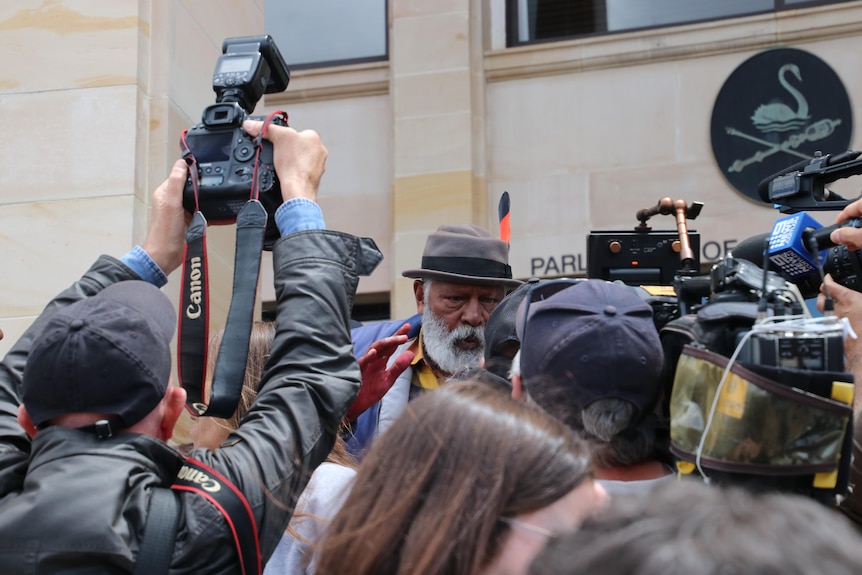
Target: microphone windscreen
<point>752,248</point>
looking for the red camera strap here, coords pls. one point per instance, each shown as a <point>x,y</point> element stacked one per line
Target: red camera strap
<point>199,478</point>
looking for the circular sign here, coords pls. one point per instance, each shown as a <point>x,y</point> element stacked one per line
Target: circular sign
<point>778,108</point>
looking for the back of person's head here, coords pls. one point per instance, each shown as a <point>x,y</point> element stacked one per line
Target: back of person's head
<point>108,354</point>
<point>482,375</point>
<point>691,527</point>
<point>501,337</point>
<point>591,356</point>
<point>433,493</point>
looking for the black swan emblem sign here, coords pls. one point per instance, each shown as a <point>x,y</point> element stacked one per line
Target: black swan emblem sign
<point>778,116</point>
<point>777,108</point>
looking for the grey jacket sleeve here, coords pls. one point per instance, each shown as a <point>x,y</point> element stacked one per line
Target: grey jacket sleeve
<point>14,443</point>
<point>309,383</point>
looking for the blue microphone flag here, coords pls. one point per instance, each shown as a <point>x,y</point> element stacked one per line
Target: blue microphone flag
<point>787,249</point>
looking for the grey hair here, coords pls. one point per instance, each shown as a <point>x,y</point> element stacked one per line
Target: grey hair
<point>426,289</point>
<point>619,433</point>
<point>625,438</point>
<point>605,418</point>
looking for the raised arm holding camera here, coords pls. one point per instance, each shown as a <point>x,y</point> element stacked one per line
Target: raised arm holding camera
<point>847,302</point>
<point>89,384</point>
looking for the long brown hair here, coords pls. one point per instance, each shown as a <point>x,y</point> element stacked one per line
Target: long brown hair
<point>260,344</point>
<point>431,492</point>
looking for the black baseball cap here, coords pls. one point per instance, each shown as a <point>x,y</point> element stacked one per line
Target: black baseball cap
<point>593,340</point>
<point>109,353</point>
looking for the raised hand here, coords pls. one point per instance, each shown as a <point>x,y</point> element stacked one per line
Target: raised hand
<point>376,377</point>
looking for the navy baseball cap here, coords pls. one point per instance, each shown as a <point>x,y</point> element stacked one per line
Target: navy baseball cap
<point>109,353</point>
<point>592,340</point>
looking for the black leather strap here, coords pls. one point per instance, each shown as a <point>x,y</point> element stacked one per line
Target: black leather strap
<point>160,534</point>
<point>193,329</point>
<point>233,354</point>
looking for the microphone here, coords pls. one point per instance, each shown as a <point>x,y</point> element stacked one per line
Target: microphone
<point>789,246</point>
<point>752,249</point>
<point>790,251</point>
<point>787,250</point>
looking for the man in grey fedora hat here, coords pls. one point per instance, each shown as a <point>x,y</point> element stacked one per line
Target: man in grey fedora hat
<point>463,275</point>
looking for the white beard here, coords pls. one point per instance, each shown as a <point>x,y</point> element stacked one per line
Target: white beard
<point>439,344</point>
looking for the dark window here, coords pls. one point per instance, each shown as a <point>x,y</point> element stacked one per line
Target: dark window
<point>530,21</point>
<point>371,308</point>
<point>328,32</point>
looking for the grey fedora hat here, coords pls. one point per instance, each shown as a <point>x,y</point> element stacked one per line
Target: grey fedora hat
<point>465,253</point>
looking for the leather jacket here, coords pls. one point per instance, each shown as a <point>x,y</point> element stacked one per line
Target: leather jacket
<point>73,503</point>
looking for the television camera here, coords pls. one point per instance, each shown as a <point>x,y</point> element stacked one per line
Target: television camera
<point>665,265</point>
<point>755,388</point>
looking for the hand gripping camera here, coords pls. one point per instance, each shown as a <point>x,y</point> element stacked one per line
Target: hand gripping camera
<point>222,155</point>
<point>231,179</point>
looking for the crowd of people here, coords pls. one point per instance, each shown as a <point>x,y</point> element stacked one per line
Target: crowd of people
<point>507,428</point>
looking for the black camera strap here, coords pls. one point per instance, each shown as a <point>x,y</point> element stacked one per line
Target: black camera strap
<point>229,373</point>
<point>160,533</point>
<point>233,354</point>
<point>193,331</point>
<point>194,316</point>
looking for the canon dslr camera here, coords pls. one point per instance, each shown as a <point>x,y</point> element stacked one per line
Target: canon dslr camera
<point>223,153</point>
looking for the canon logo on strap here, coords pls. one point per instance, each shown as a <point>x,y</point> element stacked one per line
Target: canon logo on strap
<point>193,311</point>
<point>200,478</point>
